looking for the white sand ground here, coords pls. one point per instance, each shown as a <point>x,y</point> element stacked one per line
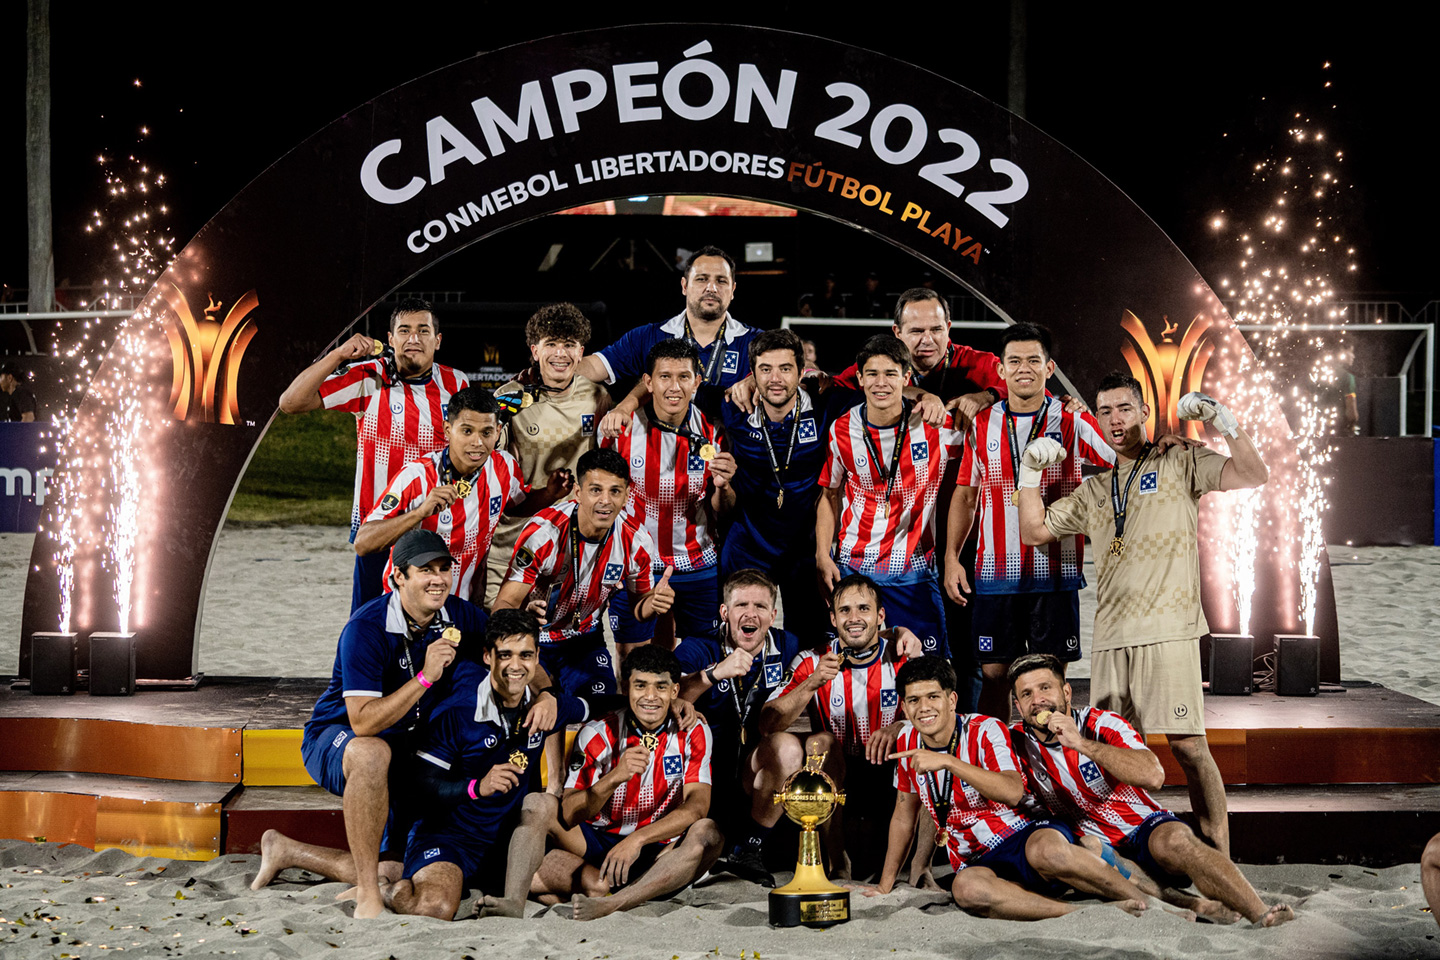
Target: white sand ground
<point>275,606</point>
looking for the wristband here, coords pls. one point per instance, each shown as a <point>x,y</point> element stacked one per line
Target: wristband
<point>470,789</point>
<point>994,393</point>
<point>710,674</point>
<point>423,681</point>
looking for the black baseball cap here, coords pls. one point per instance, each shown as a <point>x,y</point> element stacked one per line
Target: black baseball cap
<point>418,547</point>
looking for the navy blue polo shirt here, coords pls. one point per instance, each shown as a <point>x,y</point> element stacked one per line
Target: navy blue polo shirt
<point>625,358</point>
<point>718,703</point>
<point>372,659</point>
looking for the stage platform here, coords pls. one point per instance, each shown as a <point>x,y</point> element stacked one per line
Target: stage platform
<point>1346,776</point>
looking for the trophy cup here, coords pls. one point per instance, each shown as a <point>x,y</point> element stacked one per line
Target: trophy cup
<point>810,899</point>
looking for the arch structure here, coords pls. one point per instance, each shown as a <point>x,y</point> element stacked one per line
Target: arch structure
<point>469,150</point>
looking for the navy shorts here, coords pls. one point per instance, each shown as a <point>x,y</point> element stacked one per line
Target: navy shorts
<point>1009,625</point>
<point>598,843</point>
<point>580,665</point>
<point>324,754</point>
<point>916,606</point>
<point>478,859</point>
<point>323,751</point>
<point>1137,848</point>
<point>696,608</point>
<point>1009,862</point>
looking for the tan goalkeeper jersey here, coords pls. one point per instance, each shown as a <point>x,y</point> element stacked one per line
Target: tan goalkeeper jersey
<point>1151,592</point>
<point>551,433</point>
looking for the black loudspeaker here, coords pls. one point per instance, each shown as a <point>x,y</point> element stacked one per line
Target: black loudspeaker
<point>1297,665</point>
<point>52,663</point>
<point>112,664</point>
<point>1232,664</point>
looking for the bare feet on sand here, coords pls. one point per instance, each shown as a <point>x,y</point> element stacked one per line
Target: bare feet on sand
<point>1132,907</point>
<point>500,907</point>
<point>1215,911</point>
<point>923,880</point>
<point>590,908</point>
<point>272,852</point>
<point>1276,915</point>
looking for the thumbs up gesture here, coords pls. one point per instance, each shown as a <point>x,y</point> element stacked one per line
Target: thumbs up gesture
<point>662,598</point>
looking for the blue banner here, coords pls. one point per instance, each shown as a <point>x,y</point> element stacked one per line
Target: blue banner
<point>25,474</point>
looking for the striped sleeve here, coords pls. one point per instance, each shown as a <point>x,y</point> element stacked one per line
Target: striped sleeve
<point>590,757</point>
<point>1090,444</point>
<point>350,389</point>
<point>697,761</point>
<point>535,552</point>
<point>904,772</point>
<point>406,491</point>
<point>996,748</point>
<point>1111,728</point>
<point>515,487</point>
<point>801,669</point>
<point>640,565</point>
<point>833,473</point>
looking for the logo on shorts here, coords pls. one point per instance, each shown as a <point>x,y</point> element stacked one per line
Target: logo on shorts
<point>807,432</point>
<point>495,504</point>
<point>672,767</point>
<point>390,502</point>
<point>920,450</point>
<point>930,643</point>
<point>612,573</point>
<point>1181,711</point>
<point>432,853</point>
<point>774,673</point>
<point>889,698</point>
<point>1090,771</point>
<point>1071,643</point>
<point>397,407</point>
<point>731,363</point>
<point>987,644</point>
<point>587,424</point>
<point>339,738</point>
<point>490,741</point>
<point>1150,482</point>
<point>536,739</point>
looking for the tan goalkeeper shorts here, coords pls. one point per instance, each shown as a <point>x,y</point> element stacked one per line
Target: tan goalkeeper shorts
<point>1156,687</point>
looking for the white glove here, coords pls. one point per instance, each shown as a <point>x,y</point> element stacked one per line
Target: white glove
<point>1201,406</point>
<point>1039,454</point>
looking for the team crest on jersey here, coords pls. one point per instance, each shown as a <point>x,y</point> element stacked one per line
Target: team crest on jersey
<point>1090,771</point>
<point>1150,482</point>
<point>731,363</point>
<point>694,464</point>
<point>339,738</point>
<point>987,644</point>
<point>807,433</point>
<point>445,411</point>
<point>920,450</point>
<point>774,673</point>
<point>390,502</point>
<point>536,739</point>
<point>587,424</point>
<point>889,698</point>
<point>1054,435</point>
<point>672,767</point>
<point>495,504</point>
<point>612,573</point>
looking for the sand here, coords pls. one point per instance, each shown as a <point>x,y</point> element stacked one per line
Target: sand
<point>69,901</point>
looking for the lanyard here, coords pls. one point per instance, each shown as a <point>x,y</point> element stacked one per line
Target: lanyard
<point>902,430</point>
<point>744,697</point>
<point>411,627</point>
<point>649,739</point>
<point>775,464</point>
<point>1016,451</point>
<point>575,548</point>
<point>697,442</point>
<point>862,659</point>
<point>717,347</point>
<point>941,791</point>
<point>1119,502</point>
<point>448,474</point>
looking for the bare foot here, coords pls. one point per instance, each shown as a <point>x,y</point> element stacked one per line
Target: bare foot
<point>367,908</point>
<point>500,907</point>
<point>1132,907</point>
<point>1215,911</point>
<point>924,881</point>
<point>1187,915</point>
<point>591,908</point>
<point>1276,915</point>
<point>349,893</point>
<point>273,844</point>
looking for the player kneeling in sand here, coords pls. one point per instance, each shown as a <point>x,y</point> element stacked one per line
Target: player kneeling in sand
<point>477,771</point>
<point>965,773</point>
<point>1089,768</point>
<point>634,822</point>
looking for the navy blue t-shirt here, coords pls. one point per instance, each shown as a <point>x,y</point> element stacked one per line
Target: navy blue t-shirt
<point>371,659</point>
<point>720,703</point>
<point>768,530</point>
<point>469,734</point>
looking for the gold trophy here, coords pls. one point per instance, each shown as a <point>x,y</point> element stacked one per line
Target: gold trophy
<point>810,899</point>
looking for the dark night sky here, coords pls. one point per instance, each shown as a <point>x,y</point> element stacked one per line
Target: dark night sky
<point>1149,105</point>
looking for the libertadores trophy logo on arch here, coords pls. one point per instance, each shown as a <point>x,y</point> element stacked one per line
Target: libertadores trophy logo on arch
<point>207,354</point>
<point>1168,370</point>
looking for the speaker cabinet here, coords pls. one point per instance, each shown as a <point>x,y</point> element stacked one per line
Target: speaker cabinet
<point>52,663</point>
<point>1297,665</point>
<point>1232,664</point>
<point>112,664</point>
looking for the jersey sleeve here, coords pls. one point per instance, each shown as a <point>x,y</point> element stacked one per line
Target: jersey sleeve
<point>1090,444</point>
<point>832,474</point>
<point>996,751</point>
<point>980,367</point>
<point>625,358</point>
<point>694,654</point>
<point>350,389</point>
<point>849,378</point>
<point>1069,516</point>
<point>801,669</point>
<point>904,773</point>
<point>516,489</point>
<point>444,742</point>
<point>535,552</point>
<point>1206,466</point>
<point>697,761</point>
<point>1112,728</point>
<point>406,491</point>
<point>590,757</point>
<point>969,473</point>
<point>362,660</point>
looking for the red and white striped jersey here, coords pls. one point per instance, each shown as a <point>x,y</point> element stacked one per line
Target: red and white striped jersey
<point>974,825</point>
<point>469,523</point>
<point>680,758</point>
<point>1077,789</point>
<point>668,484</point>
<point>888,536</point>
<point>1003,563</point>
<point>395,423</point>
<point>543,561</point>
<point>860,700</point>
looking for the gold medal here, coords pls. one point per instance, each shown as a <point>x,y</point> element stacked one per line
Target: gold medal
<point>1015,497</point>
<point>463,487</point>
<point>707,452</point>
<point>1117,546</point>
<point>526,399</point>
<point>650,740</point>
<point>377,348</point>
<point>451,635</point>
<point>1043,717</point>
<point>519,761</point>
<point>780,498</point>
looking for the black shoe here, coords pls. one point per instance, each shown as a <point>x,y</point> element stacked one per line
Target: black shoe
<point>747,864</point>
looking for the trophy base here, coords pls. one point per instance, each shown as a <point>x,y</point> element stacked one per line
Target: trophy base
<point>818,909</point>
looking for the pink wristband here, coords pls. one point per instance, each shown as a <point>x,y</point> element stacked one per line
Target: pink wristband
<point>423,682</point>
<point>471,790</point>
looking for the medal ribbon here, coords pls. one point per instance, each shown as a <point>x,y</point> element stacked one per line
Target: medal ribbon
<point>448,473</point>
<point>1036,428</point>
<point>576,570</point>
<point>775,465</point>
<point>717,347</point>
<point>696,440</point>
<point>941,791</point>
<point>1119,502</point>
<point>902,431</point>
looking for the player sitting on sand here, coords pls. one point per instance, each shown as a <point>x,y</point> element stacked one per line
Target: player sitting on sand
<point>1089,768</point>
<point>964,771</point>
<point>634,822</point>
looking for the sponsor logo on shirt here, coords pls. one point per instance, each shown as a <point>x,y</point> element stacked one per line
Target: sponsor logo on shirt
<point>807,432</point>
<point>993,445</point>
<point>390,502</point>
<point>637,461</point>
<point>495,504</point>
<point>445,517</point>
<point>920,451</point>
<point>987,644</point>
<point>837,699</point>
<point>731,363</point>
<point>889,698</point>
<point>396,407</point>
<point>723,686</point>
<point>930,644</point>
<point>490,741</point>
<point>672,767</point>
<point>1150,481</point>
<point>602,659</point>
<point>612,574</point>
<point>587,424</point>
<point>861,461</point>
